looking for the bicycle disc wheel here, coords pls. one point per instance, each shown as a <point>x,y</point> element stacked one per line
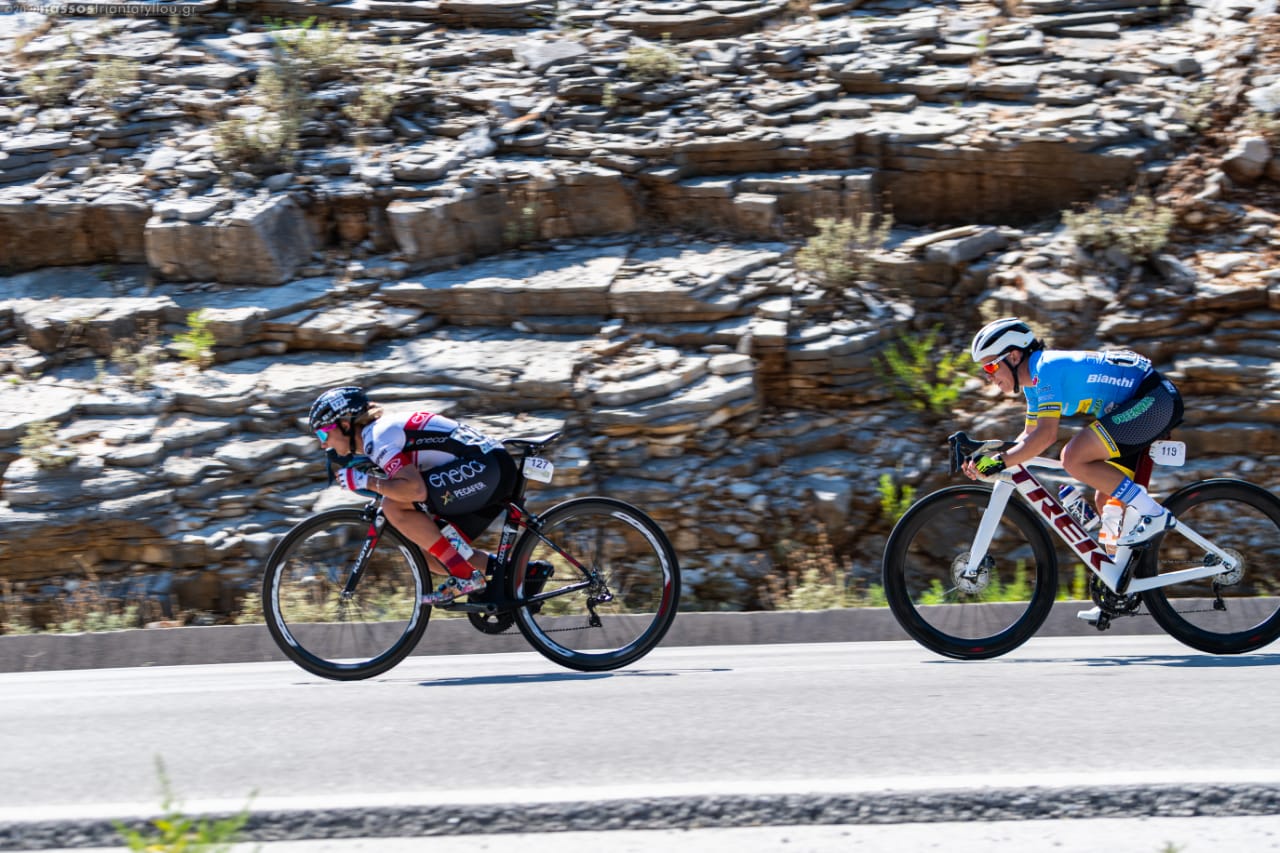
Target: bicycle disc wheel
<point>982,617</point>
<point>620,581</point>
<point>331,633</point>
<point>1243,520</point>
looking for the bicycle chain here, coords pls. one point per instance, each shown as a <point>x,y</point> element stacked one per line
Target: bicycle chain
<point>1176,563</point>
<point>551,631</point>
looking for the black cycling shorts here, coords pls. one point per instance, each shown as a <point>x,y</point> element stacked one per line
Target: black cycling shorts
<point>470,491</point>
<point>1129,429</point>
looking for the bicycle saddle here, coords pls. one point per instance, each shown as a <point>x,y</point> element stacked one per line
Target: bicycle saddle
<point>534,443</point>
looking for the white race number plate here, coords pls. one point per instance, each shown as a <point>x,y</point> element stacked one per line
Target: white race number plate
<point>1169,453</point>
<point>539,469</point>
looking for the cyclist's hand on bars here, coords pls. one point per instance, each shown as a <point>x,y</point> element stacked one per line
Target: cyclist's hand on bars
<point>988,465</point>
<point>354,481</point>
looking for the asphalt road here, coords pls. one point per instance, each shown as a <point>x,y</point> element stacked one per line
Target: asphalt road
<point>1097,726</point>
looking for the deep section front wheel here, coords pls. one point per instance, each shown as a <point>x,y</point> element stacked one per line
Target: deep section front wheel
<point>612,591</point>
<point>330,626</point>
<point>975,617</point>
<point>1234,611</point>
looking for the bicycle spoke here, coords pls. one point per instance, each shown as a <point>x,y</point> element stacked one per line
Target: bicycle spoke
<point>629,595</point>
<point>1235,610</point>
<point>955,614</point>
<point>323,622</point>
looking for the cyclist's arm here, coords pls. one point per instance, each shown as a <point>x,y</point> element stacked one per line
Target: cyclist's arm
<point>1033,442</point>
<point>405,485</point>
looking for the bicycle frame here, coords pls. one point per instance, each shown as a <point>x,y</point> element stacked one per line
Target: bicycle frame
<point>515,519</point>
<point>1115,571</point>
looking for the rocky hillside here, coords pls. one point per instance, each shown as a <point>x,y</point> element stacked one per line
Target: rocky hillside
<point>586,216</point>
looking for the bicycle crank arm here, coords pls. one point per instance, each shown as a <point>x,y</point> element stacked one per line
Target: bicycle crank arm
<point>476,607</point>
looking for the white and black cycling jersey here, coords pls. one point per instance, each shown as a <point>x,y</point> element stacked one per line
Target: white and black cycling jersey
<point>423,440</point>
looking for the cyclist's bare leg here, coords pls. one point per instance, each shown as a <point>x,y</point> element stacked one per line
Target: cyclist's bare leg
<point>421,529</point>
<point>1086,457</point>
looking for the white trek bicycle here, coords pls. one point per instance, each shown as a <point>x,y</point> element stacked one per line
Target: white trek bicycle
<point>970,573</point>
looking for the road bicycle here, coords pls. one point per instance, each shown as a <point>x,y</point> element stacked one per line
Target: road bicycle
<point>592,583</point>
<point>971,574</point>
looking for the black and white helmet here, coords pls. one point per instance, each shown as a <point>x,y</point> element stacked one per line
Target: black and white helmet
<point>1000,335</point>
<point>345,403</point>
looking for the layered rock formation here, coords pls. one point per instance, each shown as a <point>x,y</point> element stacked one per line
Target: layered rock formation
<point>583,216</point>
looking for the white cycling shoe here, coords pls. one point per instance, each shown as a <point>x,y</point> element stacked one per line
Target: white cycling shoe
<point>1147,528</point>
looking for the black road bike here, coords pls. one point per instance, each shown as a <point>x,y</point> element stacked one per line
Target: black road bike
<point>592,583</point>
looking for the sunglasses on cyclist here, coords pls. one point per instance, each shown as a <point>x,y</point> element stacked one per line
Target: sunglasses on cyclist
<point>991,367</point>
<point>323,432</point>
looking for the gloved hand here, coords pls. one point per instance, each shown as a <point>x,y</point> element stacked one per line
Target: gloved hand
<point>354,480</point>
<point>988,466</point>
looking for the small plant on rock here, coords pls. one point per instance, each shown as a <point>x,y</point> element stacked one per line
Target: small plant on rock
<point>175,832</point>
<point>112,80</point>
<point>840,253</point>
<point>651,64</point>
<point>321,50</point>
<point>51,83</point>
<point>1138,228</point>
<point>895,500</point>
<point>195,345</point>
<point>378,97</point>
<point>40,444</point>
<point>1266,125</point>
<point>928,381</point>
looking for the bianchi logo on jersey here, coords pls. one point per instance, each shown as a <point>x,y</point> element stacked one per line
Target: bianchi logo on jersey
<point>1104,379</point>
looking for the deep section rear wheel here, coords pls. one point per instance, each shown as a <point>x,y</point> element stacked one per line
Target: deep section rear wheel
<point>613,589</point>
<point>1235,611</point>
<point>324,628</point>
<point>971,618</point>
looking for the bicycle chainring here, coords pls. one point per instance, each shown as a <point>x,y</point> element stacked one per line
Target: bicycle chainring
<point>1112,604</point>
<point>492,623</point>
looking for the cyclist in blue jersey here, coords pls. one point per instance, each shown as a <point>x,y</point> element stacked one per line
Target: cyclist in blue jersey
<point>1130,402</point>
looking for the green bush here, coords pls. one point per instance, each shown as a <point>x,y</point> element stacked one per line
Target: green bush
<point>40,444</point>
<point>927,381</point>
<point>175,832</point>
<point>840,252</point>
<point>1139,228</point>
<point>895,500</point>
<point>304,55</point>
<point>112,80</point>
<point>51,84</point>
<point>195,345</point>
<point>651,64</point>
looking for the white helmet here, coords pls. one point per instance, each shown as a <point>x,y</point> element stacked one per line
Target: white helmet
<point>1000,335</point>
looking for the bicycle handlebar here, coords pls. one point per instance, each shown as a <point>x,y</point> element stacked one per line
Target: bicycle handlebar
<point>963,447</point>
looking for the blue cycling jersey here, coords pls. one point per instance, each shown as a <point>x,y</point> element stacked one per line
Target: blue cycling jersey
<point>1065,383</point>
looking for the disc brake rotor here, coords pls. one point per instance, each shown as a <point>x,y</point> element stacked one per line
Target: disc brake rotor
<point>971,585</point>
<point>1231,576</point>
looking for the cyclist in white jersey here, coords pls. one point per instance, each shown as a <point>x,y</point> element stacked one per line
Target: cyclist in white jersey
<point>1130,402</point>
<point>422,464</point>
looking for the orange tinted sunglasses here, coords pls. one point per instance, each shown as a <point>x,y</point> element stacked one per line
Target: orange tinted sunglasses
<point>991,367</point>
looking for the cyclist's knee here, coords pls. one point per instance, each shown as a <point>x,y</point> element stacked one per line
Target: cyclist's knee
<point>1085,449</point>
